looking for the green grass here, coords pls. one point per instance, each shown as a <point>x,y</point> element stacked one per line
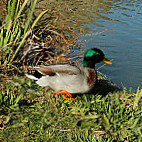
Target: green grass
<point>31,113</point>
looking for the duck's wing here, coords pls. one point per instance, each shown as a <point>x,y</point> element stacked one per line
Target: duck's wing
<point>52,70</point>
<point>64,69</point>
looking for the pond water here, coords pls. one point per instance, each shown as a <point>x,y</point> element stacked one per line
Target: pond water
<point>123,44</point>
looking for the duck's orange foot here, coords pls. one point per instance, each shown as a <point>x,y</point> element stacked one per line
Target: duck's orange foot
<point>67,95</point>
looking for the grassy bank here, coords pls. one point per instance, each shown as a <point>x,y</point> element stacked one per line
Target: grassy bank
<point>32,113</point>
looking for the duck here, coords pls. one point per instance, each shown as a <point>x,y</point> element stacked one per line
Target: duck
<point>69,79</point>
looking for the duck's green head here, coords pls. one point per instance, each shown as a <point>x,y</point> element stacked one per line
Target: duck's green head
<point>93,56</point>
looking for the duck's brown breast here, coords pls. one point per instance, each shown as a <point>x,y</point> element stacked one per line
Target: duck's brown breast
<point>92,77</point>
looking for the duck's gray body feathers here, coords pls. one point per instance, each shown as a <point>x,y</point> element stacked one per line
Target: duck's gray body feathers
<point>65,77</point>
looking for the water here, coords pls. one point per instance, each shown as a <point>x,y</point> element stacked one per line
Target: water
<point>123,44</point>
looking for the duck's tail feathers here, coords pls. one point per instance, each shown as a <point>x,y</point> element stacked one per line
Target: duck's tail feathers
<point>31,76</point>
<point>43,81</point>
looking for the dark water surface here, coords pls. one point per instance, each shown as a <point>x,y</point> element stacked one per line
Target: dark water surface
<point>123,43</point>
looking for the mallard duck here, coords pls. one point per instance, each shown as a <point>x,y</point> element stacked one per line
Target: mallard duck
<point>70,79</point>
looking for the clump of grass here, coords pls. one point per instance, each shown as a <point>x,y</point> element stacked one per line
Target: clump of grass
<point>11,93</point>
<point>13,26</point>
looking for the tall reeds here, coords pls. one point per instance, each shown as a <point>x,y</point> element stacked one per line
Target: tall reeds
<point>15,25</point>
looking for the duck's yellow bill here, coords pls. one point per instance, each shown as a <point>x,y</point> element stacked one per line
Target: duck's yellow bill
<point>105,60</point>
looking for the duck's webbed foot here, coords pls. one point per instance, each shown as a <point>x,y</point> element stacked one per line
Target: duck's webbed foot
<point>67,95</point>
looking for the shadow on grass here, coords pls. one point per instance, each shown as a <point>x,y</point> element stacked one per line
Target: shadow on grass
<point>102,87</point>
